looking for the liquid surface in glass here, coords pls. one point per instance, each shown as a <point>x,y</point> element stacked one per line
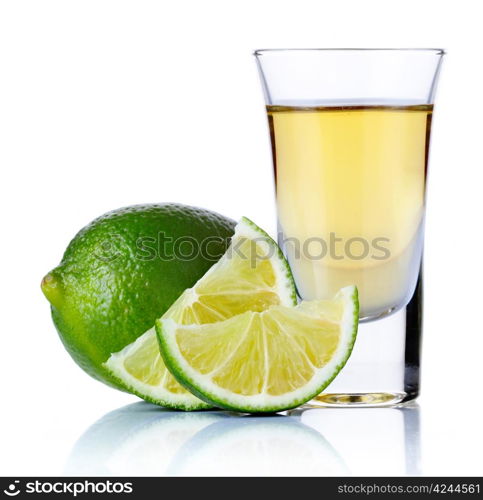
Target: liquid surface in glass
<point>350,184</point>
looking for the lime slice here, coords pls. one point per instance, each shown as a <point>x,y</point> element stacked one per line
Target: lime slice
<point>263,361</point>
<point>252,276</point>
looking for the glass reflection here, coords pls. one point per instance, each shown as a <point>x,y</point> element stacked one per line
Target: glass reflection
<point>142,439</point>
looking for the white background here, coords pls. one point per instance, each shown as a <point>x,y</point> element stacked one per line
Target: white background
<point>111,103</point>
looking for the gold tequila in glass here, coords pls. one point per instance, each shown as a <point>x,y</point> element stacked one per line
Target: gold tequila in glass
<point>350,136</point>
<point>361,192</point>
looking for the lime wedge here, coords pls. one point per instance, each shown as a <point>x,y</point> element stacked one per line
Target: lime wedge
<point>253,275</point>
<point>263,361</point>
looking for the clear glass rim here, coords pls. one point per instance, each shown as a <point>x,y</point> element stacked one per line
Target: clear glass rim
<point>434,51</point>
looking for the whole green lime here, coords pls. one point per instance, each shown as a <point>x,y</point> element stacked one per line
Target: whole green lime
<point>123,271</point>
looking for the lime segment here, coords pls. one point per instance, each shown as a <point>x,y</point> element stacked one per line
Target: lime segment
<point>263,361</point>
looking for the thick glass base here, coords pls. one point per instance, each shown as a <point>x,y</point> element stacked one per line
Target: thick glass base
<point>383,369</point>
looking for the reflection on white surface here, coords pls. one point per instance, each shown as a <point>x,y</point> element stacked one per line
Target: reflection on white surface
<point>137,439</point>
<point>372,441</point>
<point>258,446</point>
<point>142,439</point>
